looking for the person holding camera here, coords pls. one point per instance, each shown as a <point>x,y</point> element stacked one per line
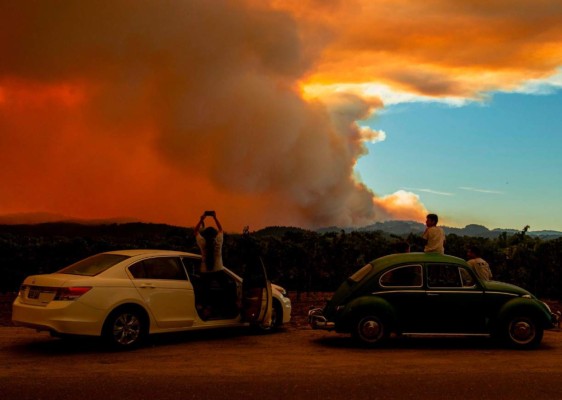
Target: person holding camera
<point>210,242</point>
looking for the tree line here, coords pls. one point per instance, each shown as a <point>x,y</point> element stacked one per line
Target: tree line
<point>298,259</point>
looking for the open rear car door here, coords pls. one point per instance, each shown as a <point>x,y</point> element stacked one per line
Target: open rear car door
<point>256,294</point>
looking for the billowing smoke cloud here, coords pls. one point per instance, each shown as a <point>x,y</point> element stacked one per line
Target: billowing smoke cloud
<point>161,109</point>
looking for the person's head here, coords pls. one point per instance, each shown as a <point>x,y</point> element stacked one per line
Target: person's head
<point>209,233</point>
<point>431,220</point>
<point>472,251</point>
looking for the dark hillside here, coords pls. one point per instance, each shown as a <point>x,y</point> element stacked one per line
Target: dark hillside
<point>298,259</point>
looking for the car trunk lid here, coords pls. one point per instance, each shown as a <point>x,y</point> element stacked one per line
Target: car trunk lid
<point>40,290</point>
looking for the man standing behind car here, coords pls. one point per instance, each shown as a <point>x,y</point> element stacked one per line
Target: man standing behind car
<point>478,264</point>
<point>434,235</point>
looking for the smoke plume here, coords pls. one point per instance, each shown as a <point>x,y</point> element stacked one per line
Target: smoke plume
<point>162,109</point>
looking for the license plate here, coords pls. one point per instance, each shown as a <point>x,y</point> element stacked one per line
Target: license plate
<point>33,294</point>
<point>46,296</point>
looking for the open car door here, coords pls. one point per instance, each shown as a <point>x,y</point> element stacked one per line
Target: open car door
<point>256,294</point>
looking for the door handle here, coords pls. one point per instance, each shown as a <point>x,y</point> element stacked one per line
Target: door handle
<point>433,294</point>
<point>147,286</point>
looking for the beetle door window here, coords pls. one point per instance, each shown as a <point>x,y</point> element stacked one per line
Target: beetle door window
<point>405,276</point>
<point>467,278</point>
<point>443,275</point>
<point>158,268</point>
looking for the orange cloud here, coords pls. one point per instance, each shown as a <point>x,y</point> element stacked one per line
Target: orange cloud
<point>402,205</point>
<point>435,48</point>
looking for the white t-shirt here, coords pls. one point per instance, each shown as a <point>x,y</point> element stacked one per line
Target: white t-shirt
<point>435,240</point>
<point>481,268</point>
<point>217,250</point>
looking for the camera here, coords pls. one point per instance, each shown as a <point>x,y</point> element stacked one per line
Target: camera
<point>210,213</point>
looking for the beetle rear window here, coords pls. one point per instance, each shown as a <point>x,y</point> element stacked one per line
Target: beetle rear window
<point>93,265</point>
<point>405,276</point>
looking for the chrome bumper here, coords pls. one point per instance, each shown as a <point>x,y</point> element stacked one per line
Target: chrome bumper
<point>556,319</point>
<point>318,321</point>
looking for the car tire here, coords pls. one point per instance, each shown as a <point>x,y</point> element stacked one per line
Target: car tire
<point>125,328</point>
<point>276,314</point>
<point>522,331</point>
<point>370,330</point>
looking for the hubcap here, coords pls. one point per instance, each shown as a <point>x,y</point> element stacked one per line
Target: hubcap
<point>522,331</point>
<point>127,329</point>
<point>370,329</point>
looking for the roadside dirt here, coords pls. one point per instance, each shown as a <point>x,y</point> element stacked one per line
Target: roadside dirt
<point>294,363</point>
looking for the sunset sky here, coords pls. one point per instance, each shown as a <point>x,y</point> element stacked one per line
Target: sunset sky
<point>308,113</point>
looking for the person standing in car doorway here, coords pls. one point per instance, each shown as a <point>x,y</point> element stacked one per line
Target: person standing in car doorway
<point>210,242</point>
<point>434,235</point>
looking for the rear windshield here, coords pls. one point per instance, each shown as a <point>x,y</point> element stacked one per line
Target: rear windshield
<point>93,265</point>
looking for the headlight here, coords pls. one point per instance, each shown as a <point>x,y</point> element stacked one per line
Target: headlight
<point>279,289</point>
<point>547,307</point>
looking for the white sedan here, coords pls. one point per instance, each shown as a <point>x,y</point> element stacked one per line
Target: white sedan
<point>125,295</point>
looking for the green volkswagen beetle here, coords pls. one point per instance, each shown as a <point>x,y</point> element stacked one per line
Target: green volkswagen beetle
<point>430,293</point>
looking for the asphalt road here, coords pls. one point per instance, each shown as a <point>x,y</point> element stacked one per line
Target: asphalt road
<point>297,363</point>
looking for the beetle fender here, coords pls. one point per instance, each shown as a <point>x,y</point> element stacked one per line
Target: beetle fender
<point>365,304</point>
<point>523,306</point>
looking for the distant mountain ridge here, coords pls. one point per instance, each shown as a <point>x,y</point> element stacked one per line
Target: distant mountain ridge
<point>406,227</point>
<point>44,217</point>
<point>395,227</point>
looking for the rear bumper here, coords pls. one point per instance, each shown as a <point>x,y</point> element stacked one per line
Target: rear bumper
<point>65,317</point>
<point>317,320</point>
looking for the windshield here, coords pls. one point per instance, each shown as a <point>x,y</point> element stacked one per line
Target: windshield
<point>362,273</point>
<point>93,265</point>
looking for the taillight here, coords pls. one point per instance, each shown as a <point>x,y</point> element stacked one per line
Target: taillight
<point>71,293</point>
<point>22,290</point>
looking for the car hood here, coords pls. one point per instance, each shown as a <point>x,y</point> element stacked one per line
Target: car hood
<point>278,288</point>
<point>339,297</point>
<point>496,286</point>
